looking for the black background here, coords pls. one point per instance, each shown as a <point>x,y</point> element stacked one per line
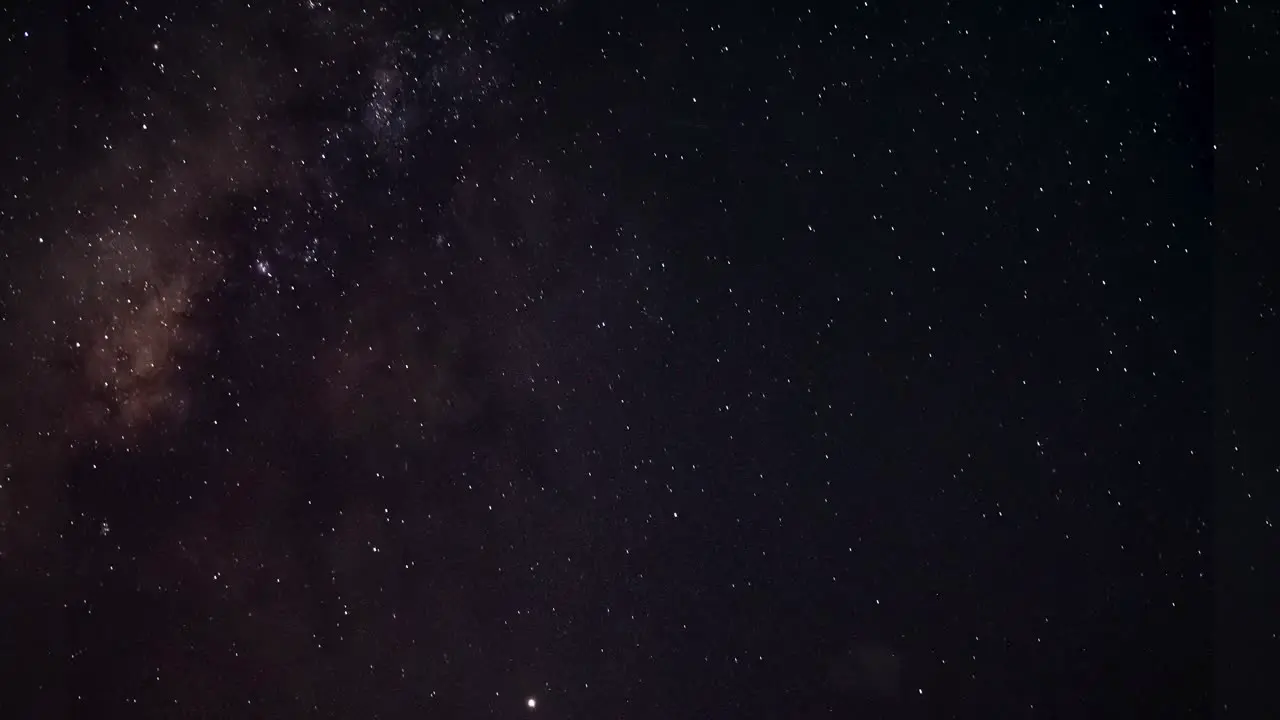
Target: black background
<point>654,362</point>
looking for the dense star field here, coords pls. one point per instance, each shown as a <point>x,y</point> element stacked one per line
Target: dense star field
<point>580,359</point>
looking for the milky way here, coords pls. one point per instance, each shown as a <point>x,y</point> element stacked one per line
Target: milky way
<point>244,257</point>
<point>490,358</point>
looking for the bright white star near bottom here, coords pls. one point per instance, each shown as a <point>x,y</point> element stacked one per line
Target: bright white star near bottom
<point>531,703</point>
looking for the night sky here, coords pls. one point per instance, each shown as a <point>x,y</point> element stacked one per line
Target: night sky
<point>605,360</point>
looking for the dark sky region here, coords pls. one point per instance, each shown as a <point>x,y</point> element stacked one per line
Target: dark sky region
<point>605,360</point>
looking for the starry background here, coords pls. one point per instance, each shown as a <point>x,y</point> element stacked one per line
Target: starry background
<point>670,361</point>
